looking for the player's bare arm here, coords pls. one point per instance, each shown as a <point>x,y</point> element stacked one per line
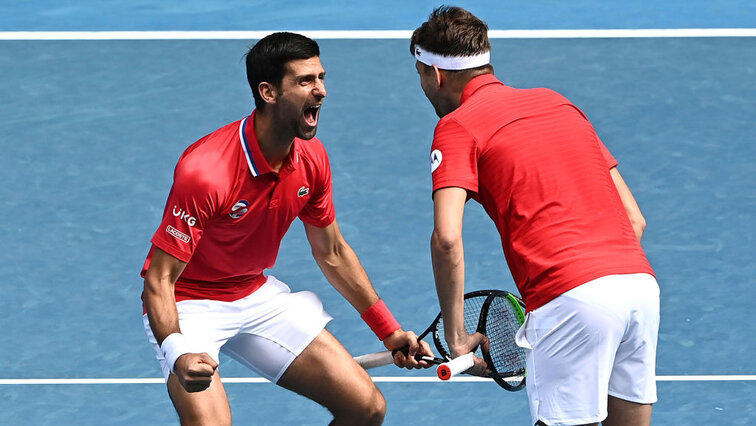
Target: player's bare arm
<point>343,269</point>
<point>447,253</point>
<point>631,207</point>
<point>194,371</point>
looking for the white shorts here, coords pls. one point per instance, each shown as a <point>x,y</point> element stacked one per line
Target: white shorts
<point>595,340</point>
<point>264,331</point>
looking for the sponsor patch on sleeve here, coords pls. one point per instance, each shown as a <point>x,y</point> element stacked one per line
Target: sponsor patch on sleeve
<point>435,159</point>
<point>178,234</point>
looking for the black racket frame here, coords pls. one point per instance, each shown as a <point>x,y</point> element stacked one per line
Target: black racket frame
<point>490,295</point>
<point>519,308</point>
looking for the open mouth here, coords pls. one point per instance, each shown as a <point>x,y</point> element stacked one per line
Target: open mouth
<point>311,115</point>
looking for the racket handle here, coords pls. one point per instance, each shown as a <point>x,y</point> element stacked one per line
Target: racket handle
<point>376,359</point>
<point>379,359</point>
<point>458,365</point>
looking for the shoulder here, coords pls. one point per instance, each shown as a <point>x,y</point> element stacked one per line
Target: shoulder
<point>452,128</point>
<point>212,161</point>
<point>539,97</point>
<point>546,93</point>
<point>546,98</point>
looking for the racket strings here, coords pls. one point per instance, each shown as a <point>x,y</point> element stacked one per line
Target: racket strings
<point>473,306</point>
<point>501,327</point>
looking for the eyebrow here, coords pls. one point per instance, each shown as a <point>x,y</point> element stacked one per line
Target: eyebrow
<point>307,76</point>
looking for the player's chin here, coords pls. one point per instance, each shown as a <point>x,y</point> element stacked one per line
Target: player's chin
<point>307,132</point>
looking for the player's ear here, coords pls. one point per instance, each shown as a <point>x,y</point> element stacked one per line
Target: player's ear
<point>268,92</point>
<point>440,77</point>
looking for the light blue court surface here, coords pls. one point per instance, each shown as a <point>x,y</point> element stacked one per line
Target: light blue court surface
<point>90,132</point>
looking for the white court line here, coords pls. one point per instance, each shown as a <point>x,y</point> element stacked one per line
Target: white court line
<point>369,34</point>
<point>377,379</point>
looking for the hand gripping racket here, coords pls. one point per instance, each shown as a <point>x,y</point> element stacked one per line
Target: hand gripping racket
<point>474,305</point>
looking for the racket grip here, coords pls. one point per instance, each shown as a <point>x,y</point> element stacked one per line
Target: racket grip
<point>376,359</point>
<point>458,365</point>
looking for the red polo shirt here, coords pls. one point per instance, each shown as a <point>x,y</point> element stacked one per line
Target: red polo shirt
<point>228,211</point>
<point>535,163</point>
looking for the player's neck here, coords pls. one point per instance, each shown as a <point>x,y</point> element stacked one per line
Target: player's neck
<point>447,102</point>
<point>450,91</point>
<point>275,144</point>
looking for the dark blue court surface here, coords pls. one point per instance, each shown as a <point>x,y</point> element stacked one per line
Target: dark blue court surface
<point>90,132</point>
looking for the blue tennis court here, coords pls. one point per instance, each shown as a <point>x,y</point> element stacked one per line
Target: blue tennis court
<point>90,131</point>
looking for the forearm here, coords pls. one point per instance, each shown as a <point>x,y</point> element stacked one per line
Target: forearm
<point>637,220</point>
<point>160,304</point>
<point>449,272</point>
<point>343,269</point>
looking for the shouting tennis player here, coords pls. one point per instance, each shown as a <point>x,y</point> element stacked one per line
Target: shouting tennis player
<point>234,195</point>
<point>569,226</point>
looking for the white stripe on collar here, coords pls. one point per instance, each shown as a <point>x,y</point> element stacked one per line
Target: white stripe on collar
<point>245,147</point>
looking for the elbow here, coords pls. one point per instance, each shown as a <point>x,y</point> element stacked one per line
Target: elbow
<point>152,289</point>
<point>445,242</point>
<point>157,285</point>
<point>638,223</point>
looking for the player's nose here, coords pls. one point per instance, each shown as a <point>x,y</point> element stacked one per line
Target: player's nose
<point>320,89</point>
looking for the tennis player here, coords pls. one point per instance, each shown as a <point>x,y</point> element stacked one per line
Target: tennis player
<point>234,195</point>
<point>569,226</point>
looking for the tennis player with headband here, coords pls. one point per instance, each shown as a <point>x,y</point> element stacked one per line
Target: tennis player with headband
<point>570,230</point>
<point>234,195</point>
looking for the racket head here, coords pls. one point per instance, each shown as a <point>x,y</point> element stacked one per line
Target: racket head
<point>474,301</point>
<point>501,316</point>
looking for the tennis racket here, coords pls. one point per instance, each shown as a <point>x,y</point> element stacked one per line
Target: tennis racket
<point>499,364</point>
<point>473,304</point>
<point>501,316</point>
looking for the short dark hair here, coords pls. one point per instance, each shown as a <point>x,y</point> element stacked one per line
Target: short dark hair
<point>452,31</point>
<point>266,60</point>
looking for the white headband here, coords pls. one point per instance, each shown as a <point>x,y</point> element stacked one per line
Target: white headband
<point>452,63</point>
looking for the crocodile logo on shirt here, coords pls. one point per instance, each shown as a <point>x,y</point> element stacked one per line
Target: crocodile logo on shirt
<point>303,191</point>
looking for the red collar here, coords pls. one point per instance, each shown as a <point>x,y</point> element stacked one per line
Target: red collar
<point>256,161</point>
<point>476,83</point>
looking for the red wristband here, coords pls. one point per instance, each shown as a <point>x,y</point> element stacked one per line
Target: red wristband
<point>380,320</point>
